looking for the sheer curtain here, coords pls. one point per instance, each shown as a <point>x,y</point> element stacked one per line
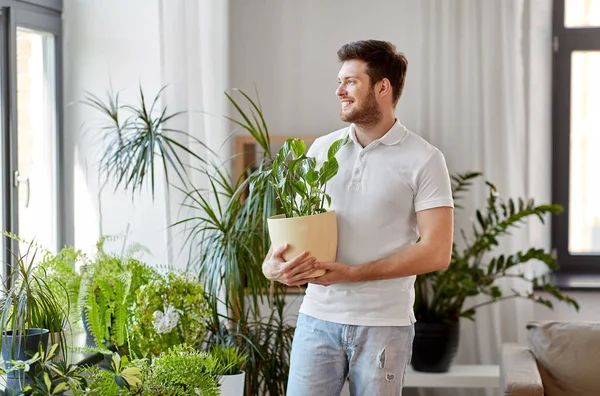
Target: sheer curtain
<point>485,102</point>
<point>195,57</point>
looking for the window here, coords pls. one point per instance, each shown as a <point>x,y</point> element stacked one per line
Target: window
<point>576,138</point>
<point>30,145</point>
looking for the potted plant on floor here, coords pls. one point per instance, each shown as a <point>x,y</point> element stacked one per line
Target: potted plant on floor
<point>229,368</point>
<point>475,269</point>
<point>29,311</point>
<point>300,188</point>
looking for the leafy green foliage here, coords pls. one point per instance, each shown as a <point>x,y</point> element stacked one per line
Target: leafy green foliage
<point>474,270</point>
<point>301,186</point>
<point>228,227</point>
<point>52,378</point>
<point>27,301</point>
<point>138,140</point>
<point>182,368</point>
<point>185,295</point>
<point>228,360</point>
<point>108,291</point>
<point>64,278</point>
<point>226,233</point>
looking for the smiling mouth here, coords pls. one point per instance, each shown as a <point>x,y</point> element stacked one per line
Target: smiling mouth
<point>346,103</point>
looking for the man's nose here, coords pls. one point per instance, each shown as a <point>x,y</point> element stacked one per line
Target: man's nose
<point>340,91</point>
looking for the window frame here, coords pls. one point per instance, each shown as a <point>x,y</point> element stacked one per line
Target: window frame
<point>41,15</point>
<point>581,271</point>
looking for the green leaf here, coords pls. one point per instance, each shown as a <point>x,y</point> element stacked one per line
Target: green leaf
<point>336,146</point>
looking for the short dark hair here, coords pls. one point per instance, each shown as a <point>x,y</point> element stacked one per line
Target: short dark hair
<point>383,61</point>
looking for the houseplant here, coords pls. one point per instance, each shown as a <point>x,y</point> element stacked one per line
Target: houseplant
<point>300,188</point>
<point>475,269</point>
<point>169,310</point>
<point>228,367</point>
<point>29,311</point>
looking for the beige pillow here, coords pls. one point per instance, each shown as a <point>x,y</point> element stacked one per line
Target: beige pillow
<point>568,354</point>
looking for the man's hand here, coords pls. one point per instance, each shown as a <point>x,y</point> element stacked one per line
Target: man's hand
<point>336,273</point>
<point>292,273</point>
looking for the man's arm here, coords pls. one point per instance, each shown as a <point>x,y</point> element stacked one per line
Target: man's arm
<point>431,253</point>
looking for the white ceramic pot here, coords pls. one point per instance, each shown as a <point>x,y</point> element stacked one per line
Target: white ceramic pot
<point>316,233</point>
<point>233,385</point>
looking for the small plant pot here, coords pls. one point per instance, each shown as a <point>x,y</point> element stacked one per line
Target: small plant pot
<point>233,385</point>
<point>315,233</point>
<point>18,348</point>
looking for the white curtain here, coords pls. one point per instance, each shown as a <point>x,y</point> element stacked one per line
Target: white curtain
<point>485,102</point>
<point>195,57</point>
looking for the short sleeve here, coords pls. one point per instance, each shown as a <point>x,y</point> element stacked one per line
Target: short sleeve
<point>433,188</point>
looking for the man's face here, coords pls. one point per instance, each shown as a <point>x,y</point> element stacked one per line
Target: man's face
<point>357,97</point>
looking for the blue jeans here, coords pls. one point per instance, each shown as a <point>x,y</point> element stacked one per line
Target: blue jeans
<point>324,354</point>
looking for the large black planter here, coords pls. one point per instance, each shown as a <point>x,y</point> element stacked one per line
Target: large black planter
<point>24,345</point>
<point>434,347</point>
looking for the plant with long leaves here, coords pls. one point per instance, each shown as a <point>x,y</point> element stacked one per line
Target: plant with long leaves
<point>299,184</point>
<point>138,139</point>
<point>229,230</point>
<point>475,270</point>
<point>27,301</point>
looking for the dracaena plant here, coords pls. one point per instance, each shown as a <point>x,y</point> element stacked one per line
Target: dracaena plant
<point>298,181</point>
<point>476,268</point>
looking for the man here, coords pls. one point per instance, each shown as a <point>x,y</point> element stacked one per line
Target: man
<point>392,188</point>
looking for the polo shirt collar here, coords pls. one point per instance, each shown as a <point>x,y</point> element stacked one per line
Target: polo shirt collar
<point>391,137</point>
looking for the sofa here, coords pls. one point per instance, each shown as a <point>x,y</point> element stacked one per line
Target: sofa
<point>560,359</point>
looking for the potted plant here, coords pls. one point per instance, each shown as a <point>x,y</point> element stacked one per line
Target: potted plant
<point>441,296</point>
<point>300,188</point>
<point>228,367</point>
<point>29,311</point>
<point>170,310</point>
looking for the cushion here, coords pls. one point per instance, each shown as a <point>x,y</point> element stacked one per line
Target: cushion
<point>568,355</point>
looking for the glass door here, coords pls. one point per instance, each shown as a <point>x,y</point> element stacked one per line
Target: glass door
<point>35,177</point>
<point>30,144</point>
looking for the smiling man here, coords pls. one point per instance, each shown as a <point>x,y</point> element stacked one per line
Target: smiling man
<point>392,188</point>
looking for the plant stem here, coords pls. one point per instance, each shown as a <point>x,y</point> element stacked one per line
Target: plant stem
<point>494,301</point>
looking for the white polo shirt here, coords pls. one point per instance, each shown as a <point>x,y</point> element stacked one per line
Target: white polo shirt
<point>376,194</point>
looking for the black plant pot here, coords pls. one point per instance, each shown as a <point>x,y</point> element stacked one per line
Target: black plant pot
<point>21,348</point>
<point>434,347</point>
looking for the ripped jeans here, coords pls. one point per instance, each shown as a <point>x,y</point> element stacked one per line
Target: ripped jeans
<point>324,354</point>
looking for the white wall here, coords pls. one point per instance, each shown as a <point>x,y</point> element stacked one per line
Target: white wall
<point>108,43</point>
<point>588,311</point>
<point>288,49</point>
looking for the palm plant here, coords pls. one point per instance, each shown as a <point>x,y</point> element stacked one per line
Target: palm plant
<point>229,230</point>
<point>138,139</point>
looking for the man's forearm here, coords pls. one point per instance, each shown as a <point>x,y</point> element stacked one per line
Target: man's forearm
<point>416,259</point>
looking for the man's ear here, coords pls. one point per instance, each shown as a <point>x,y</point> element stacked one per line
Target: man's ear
<point>385,87</point>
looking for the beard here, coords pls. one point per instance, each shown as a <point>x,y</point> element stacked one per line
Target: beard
<point>367,114</point>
